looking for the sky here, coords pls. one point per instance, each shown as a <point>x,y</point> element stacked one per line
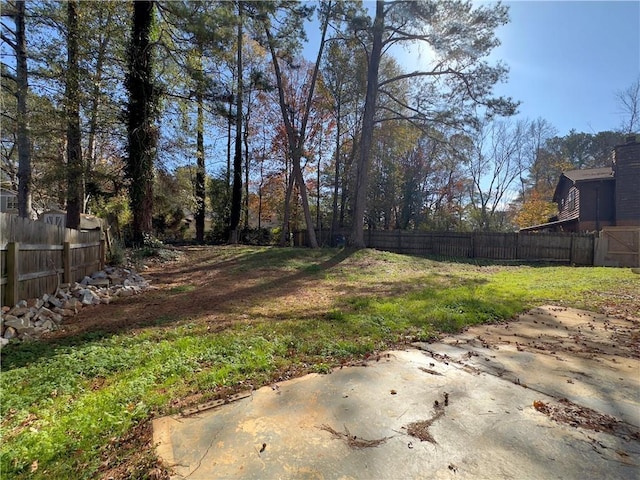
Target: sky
<point>567,60</point>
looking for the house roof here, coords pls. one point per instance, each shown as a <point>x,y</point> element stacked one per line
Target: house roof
<point>605,173</point>
<point>544,226</point>
<point>5,192</point>
<point>587,175</point>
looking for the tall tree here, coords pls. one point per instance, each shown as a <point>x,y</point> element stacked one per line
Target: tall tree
<point>344,77</point>
<point>236,190</point>
<point>494,161</point>
<point>75,167</point>
<point>19,45</point>
<point>200,190</point>
<point>368,123</point>
<point>142,112</point>
<point>196,36</point>
<point>460,36</point>
<point>629,104</point>
<point>297,134</point>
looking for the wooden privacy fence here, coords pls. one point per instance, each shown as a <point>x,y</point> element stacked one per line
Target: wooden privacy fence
<point>618,247</point>
<point>36,257</point>
<point>575,248</point>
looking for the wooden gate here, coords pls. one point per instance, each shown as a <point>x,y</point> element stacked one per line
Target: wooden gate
<point>618,247</point>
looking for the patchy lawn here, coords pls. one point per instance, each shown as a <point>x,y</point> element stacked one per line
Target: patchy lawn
<point>78,403</point>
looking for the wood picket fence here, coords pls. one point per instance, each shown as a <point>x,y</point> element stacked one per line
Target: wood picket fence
<point>570,248</point>
<point>35,257</point>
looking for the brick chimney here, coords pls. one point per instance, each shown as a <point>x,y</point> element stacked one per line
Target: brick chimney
<point>626,166</point>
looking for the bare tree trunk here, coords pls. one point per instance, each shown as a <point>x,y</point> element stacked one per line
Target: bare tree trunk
<point>364,160</point>
<point>142,134</point>
<point>260,194</point>
<point>200,169</point>
<point>284,233</point>
<point>90,154</point>
<point>24,146</point>
<point>296,138</point>
<point>245,137</point>
<point>75,168</point>
<point>297,172</point>
<point>336,175</point>
<point>227,174</point>
<point>236,191</point>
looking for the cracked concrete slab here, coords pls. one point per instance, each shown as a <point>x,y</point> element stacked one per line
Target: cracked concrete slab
<point>501,381</point>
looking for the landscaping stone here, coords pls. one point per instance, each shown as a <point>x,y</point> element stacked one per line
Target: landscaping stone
<point>19,324</point>
<point>44,312</point>
<point>100,274</point>
<point>18,311</point>
<point>9,333</point>
<point>29,319</point>
<point>55,302</point>
<point>65,312</point>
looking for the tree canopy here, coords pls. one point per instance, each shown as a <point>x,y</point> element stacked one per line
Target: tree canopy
<point>196,120</point>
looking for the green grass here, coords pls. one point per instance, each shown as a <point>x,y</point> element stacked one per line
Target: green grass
<point>65,404</point>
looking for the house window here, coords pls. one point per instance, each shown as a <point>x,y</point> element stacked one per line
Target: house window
<point>12,203</point>
<point>572,200</point>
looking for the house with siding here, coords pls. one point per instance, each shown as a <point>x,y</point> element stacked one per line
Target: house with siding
<point>8,200</point>
<point>591,199</point>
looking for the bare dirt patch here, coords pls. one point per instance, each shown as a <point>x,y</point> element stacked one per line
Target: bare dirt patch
<point>204,285</point>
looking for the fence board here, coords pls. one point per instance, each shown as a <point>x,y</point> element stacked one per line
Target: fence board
<point>34,258</point>
<point>575,248</point>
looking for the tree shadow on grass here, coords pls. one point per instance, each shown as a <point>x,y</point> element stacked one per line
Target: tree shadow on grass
<point>155,308</point>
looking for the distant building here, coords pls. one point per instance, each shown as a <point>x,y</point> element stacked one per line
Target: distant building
<point>8,201</point>
<point>591,199</point>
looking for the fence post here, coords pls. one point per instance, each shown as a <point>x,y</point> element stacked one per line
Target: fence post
<point>66,262</point>
<point>13,271</point>
<point>473,245</point>
<point>571,255</point>
<point>103,253</point>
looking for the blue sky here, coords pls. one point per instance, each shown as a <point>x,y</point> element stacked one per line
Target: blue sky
<point>567,59</point>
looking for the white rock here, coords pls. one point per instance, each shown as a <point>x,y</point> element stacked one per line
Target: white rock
<point>18,311</point>
<point>8,316</point>
<point>62,295</point>
<point>55,302</point>
<point>44,312</point>
<point>89,297</point>
<point>125,292</point>
<point>10,333</point>
<point>49,325</point>
<point>65,312</point>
